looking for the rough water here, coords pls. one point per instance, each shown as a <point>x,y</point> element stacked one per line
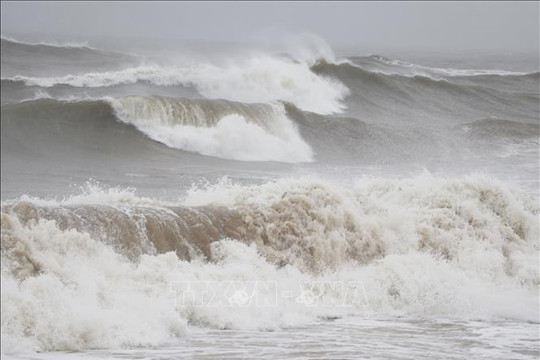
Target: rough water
<point>206,203</point>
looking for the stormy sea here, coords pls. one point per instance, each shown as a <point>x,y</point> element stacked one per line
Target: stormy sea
<point>208,200</point>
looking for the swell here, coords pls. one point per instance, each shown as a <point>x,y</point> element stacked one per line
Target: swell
<point>388,66</point>
<point>351,140</point>
<point>57,131</point>
<point>23,59</point>
<point>394,96</point>
<point>16,91</point>
<point>10,42</point>
<point>349,69</point>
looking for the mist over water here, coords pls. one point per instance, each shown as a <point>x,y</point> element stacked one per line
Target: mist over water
<point>127,168</point>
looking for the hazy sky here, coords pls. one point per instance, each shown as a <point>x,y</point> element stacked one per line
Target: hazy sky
<point>418,25</point>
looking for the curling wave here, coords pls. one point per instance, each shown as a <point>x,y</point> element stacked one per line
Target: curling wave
<point>231,130</point>
<point>219,128</point>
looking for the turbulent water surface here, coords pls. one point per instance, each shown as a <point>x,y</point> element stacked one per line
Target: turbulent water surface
<point>247,203</point>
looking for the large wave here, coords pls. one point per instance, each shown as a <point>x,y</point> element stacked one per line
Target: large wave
<point>461,247</point>
<point>256,79</point>
<point>219,128</point>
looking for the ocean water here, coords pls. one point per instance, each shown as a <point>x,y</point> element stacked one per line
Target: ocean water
<point>211,201</point>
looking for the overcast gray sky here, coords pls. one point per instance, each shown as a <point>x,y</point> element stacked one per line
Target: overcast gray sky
<point>419,25</point>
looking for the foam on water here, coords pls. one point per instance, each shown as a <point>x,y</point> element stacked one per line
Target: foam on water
<point>426,247</point>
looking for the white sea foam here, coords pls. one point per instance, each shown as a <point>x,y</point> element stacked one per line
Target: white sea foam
<point>450,218</point>
<point>464,247</point>
<point>92,193</point>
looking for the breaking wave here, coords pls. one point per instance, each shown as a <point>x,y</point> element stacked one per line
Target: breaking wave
<point>77,273</point>
<point>219,128</point>
<point>255,80</point>
<point>231,130</point>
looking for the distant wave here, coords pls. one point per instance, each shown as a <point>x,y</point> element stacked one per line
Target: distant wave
<point>67,45</point>
<point>357,76</point>
<point>397,95</point>
<point>257,79</point>
<point>349,68</point>
<point>219,128</point>
<point>390,66</point>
